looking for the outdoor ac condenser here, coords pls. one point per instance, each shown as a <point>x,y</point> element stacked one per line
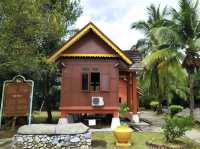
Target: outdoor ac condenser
<point>97,101</point>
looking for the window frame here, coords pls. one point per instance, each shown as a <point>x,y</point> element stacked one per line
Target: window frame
<point>90,86</point>
<point>88,71</point>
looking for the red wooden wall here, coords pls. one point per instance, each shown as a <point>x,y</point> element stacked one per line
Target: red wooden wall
<point>74,99</point>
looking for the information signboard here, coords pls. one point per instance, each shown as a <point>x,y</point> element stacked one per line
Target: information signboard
<point>17,98</point>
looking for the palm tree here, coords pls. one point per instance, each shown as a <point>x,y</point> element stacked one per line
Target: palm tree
<point>162,66</point>
<point>163,73</point>
<point>156,18</point>
<point>185,28</point>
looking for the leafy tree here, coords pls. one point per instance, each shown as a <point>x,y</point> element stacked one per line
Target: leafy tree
<point>29,30</point>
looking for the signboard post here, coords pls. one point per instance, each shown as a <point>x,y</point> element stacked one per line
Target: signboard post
<point>17,97</point>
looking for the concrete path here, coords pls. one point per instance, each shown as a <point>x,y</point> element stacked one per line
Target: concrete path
<point>152,117</point>
<point>194,134</point>
<point>157,122</point>
<point>186,112</point>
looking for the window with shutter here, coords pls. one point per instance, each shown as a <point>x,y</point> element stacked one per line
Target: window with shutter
<point>95,81</point>
<point>105,82</point>
<point>85,81</point>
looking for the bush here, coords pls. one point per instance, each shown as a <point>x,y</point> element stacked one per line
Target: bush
<point>174,109</point>
<point>154,105</point>
<point>175,127</point>
<point>146,100</point>
<point>124,108</point>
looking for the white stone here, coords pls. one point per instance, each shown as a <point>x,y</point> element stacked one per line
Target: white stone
<point>87,135</point>
<point>59,145</point>
<point>20,139</point>
<point>115,122</point>
<point>75,140</point>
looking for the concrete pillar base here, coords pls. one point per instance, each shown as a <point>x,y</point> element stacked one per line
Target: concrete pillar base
<point>66,120</point>
<point>115,122</point>
<point>135,118</point>
<point>63,120</point>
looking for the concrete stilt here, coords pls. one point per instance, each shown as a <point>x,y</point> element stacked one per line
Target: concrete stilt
<point>135,118</point>
<point>63,120</point>
<point>66,120</point>
<point>115,122</point>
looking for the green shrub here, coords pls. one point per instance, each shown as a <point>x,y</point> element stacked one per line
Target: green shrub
<point>124,108</point>
<point>154,105</point>
<point>174,109</point>
<point>176,127</point>
<point>146,100</point>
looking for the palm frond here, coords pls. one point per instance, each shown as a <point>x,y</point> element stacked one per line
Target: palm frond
<point>152,12</point>
<point>166,36</point>
<point>142,43</point>
<point>141,25</point>
<point>161,55</point>
<point>197,44</point>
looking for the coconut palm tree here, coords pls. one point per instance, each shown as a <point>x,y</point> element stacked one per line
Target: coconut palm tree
<point>162,73</point>
<point>185,27</point>
<point>156,18</point>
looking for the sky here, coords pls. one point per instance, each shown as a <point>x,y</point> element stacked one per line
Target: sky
<point>114,17</point>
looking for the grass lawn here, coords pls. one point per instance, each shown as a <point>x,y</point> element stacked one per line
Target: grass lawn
<point>106,140</point>
<point>7,133</point>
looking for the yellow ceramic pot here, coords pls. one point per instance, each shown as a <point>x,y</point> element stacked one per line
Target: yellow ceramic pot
<point>123,135</point>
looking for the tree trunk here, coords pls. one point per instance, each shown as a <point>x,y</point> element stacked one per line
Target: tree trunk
<point>159,110</point>
<point>47,98</point>
<point>191,93</point>
<point>48,104</point>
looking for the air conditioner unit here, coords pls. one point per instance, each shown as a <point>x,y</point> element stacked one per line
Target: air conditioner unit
<point>97,101</point>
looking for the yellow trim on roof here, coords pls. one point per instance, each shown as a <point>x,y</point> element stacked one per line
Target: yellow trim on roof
<point>116,49</point>
<point>88,55</point>
<point>82,33</point>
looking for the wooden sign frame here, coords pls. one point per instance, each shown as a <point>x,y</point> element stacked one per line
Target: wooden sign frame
<point>18,77</point>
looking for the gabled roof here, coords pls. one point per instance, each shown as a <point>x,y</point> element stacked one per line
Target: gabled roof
<point>53,56</point>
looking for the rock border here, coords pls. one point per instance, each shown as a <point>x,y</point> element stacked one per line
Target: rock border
<point>65,136</point>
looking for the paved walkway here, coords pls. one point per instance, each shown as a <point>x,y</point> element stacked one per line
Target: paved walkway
<point>157,122</point>
<point>186,112</point>
<point>194,134</point>
<point>152,117</point>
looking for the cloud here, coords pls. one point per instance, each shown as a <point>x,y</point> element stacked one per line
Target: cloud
<point>114,18</point>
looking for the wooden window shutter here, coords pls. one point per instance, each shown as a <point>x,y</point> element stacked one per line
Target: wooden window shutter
<point>85,81</point>
<point>105,82</point>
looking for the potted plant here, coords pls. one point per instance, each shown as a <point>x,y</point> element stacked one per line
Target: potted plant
<point>123,133</point>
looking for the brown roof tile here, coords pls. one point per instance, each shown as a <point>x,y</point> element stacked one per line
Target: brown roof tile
<point>134,55</point>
